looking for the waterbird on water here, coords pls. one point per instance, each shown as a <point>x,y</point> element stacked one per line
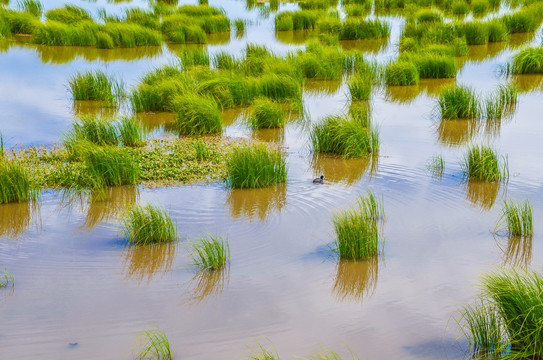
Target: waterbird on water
<point>319,180</point>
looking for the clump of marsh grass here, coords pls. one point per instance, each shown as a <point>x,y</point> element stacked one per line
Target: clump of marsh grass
<point>255,166</point>
<point>263,353</point>
<point>516,218</point>
<point>459,102</point>
<point>357,230</point>
<point>502,103</point>
<point>527,61</point>
<point>153,344</point>
<point>436,165</point>
<point>131,132</point>
<point>201,150</point>
<point>401,73</point>
<point>109,166</point>
<point>197,115</point>
<point>505,323</point>
<point>15,183</point>
<point>193,56</point>
<point>239,24</point>
<point>266,114</point>
<point>7,279</point>
<point>344,136</point>
<point>96,85</point>
<point>481,163</point>
<point>92,129</point>
<point>33,7</point>
<point>144,225</point>
<point>210,253</point>
<point>360,87</point>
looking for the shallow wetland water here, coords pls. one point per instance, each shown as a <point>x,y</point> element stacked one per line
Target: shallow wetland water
<point>77,282</point>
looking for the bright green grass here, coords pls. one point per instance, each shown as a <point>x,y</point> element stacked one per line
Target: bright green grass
<point>480,7</point>
<point>15,183</point>
<point>516,218</point>
<point>69,14</point>
<point>55,33</point>
<point>131,132</point>
<point>262,353</point>
<point>459,102</point>
<point>502,102</point>
<point>528,61</point>
<point>507,322</point>
<point>357,230</point>
<point>110,166</point>
<point>91,129</point>
<point>344,136</point>
<point>255,166</point>
<point>153,344</point>
<point>475,32</point>
<point>201,150</point>
<point>210,253</point>
<point>436,165</point>
<point>359,29</point>
<point>401,73</point>
<point>266,114</point>
<point>131,35</point>
<point>460,7</point>
<point>428,16</point>
<point>193,56</point>
<point>145,225</point>
<point>197,115</point>
<point>432,66</point>
<point>360,87</point>
<point>33,7</point>
<point>481,163</point>
<point>96,85</point>
<point>239,24</point>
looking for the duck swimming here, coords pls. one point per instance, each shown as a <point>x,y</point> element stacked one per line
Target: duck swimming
<point>319,180</point>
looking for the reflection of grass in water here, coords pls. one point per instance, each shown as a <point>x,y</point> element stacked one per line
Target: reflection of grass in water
<point>481,193</point>
<point>339,170</point>
<point>85,108</point>
<point>457,132</point>
<point>257,203</point>
<point>207,284</point>
<point>356,280</point>
<point>153,344</point>
<point>269,135</point>
<point>144,262</point>
<point>110,205</point>
<point>402,94</point>
<point>518,251</point>
<point>15,218</point>
<point>321,87</point>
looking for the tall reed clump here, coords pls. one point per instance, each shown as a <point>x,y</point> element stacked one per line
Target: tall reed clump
<point>193,56</point>
<point>360,87</point>
<point>153,344</point>
<point>109,166</point>
<point>131,132</point>
<point>148,224</point>
<point>506,321</point>
<point>210,253</point>
<point>357,229</point>
<point>528,61</point>
<point>33,7</point>
<point>96,85</point>
<point>401,73</point>
<point>197,115</point>
<point>255,166</point>
<point>266,114</point>
<point>15,183</point>
<point>459,102</point>
<point>516,218</point>
<point>502,103</point>
<point>432,66</point>
<point>344,136</point>
<point>481,163</point>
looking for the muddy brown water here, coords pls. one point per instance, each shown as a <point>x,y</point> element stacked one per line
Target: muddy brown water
<point>76,282</point>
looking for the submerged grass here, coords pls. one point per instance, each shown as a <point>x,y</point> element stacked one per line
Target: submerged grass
<point>506,323</point>
<point>15,183</point>
<point>153,344</point>
<point>357,230</point>
<point>7,279</point>
<point>145,225</point>
<point>344,136</point>
<point>516,218</point>
<point>436,165</point>
<point>481,163</point>
<point>210,253</point>
<point>255,166</point>
<point>502,103</point>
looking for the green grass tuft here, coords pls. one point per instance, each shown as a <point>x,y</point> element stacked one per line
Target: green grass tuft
<point>153,344</point>
<point>33,7</point>
<point>528,61</point>
<point>516,218</point>
<point>481,163</point>
<point>15,183</point>
<point>96,85</point>
<point>131,132</point>
<point>502,103</point>
<point>197,115</point>
<point>7,279</point>
<point>109,166</point>
<point>145,225</point>
<point>347,137</point>
<point>401,73</point>
<point>357,230</point>
<point>459,102</point>
<point>255,166</point>
<point>266,114</point>
<point>436,165</point>
<point>210,253</point>
<point>360,87</point>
